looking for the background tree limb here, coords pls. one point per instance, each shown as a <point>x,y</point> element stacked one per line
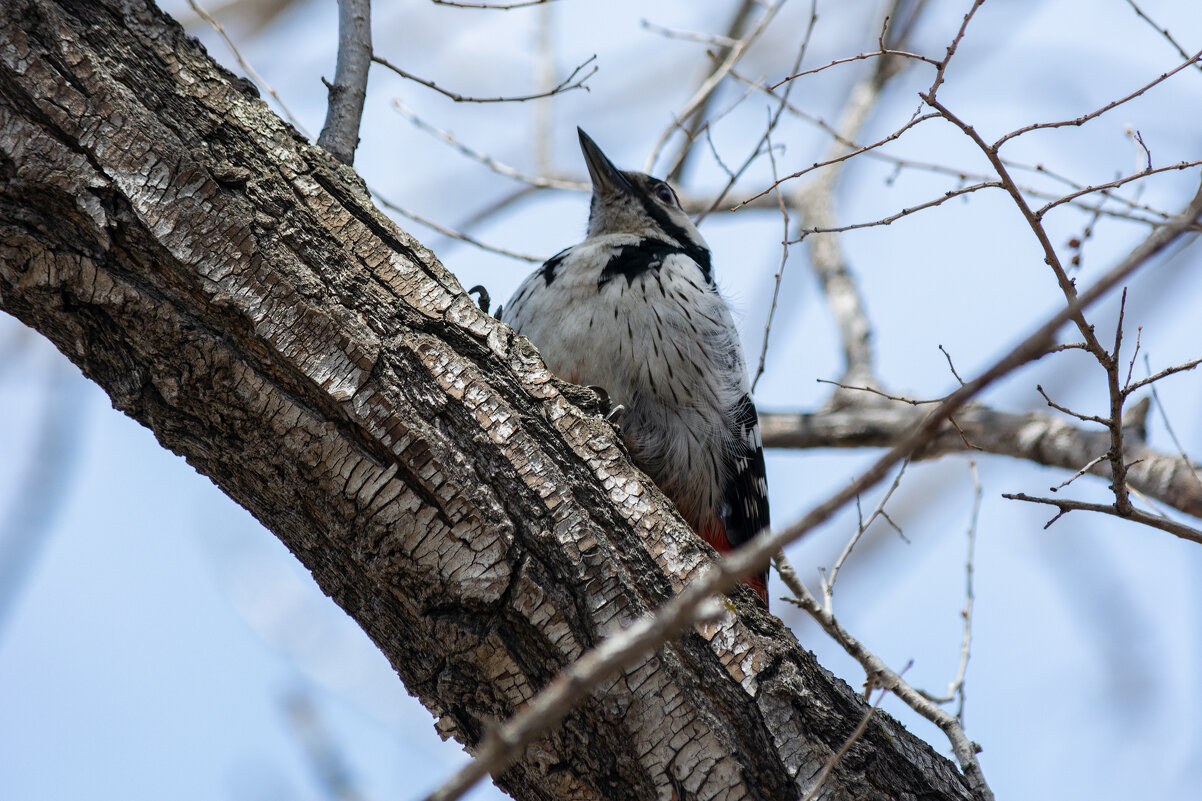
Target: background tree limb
<point>1039,438</point>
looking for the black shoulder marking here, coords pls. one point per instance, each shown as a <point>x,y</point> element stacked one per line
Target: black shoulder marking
<point>631,261</point>
<point>547,271</point>
<point>745,496</point>
<point>695,252</point>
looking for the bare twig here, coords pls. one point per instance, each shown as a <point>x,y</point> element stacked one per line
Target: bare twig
<point>882,53</point>
<point>881,393</point>
<point>780,271</point>
<point>782,103</point>
<point>1085,418</point>
<point>1126,179</point>
<point>451,232</point>
<point>760,85</point>
<point>1138,138</point>
<point>855,735</point>
<point>882,676</point>
<point>1034,437</point>
<point>1118,465</point>
<point>701,96</point>
<point>841,152</point>
<point>877,153</point>
<point>1084,118</point>
<point>1131,364</point>
<point>1132,211</point>
<point>1164,418</point>
<point>815,202</point>
<point>956,687</point>
<point>1069,346</point>
<point>1168,371</point>
<point>1090,466</point>
<point>1033,222</point>
<point>250,71</point>
<point>340,134</point>
<point>721,40</point>
<point>1064,506</point>
<point>492,6</point>
<point>488,161</point>
<point>950,365</point>
<point>828,583</point>
<point>1131,204</point>
<point>1162,31</point>
<point>804,233</point>
<point>1077,244</point>
<point>951,48</point>
<point>566,85</point>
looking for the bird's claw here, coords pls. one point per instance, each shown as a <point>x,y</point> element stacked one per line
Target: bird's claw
<point>615,416</point>
<point>615,413</point>
<point>484,301</point>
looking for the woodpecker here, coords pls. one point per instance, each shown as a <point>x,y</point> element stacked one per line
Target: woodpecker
<point>634,309</point>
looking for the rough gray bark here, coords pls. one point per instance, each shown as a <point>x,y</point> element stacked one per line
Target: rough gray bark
<point>234,290</point>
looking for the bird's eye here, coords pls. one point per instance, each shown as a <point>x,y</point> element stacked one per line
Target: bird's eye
<point>665,195</point>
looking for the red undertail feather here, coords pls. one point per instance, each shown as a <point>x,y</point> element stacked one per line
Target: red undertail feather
<point>713,531</point>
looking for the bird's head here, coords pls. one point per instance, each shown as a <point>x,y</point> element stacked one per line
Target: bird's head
<point>635,203</point>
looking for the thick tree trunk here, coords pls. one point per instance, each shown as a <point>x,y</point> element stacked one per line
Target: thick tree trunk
<point>233,289</point>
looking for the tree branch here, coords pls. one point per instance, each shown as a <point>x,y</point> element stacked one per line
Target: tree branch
<point>1066,505</point>
<point>1084,118</point>
<point>566,85</point>
<point>1037,438</point>
<point>340,134</point>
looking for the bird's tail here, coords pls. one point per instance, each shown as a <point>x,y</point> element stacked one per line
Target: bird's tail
<point>713,531</point>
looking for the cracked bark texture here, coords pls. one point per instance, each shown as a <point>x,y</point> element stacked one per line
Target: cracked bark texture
<point>233,289</point>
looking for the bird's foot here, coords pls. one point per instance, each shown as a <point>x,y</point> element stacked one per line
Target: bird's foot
<point>609,413</point>
<point>484,300</point>
<point>614,418</point>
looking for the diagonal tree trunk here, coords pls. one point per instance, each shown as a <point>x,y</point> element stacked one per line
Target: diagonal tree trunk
<point>233,289</point>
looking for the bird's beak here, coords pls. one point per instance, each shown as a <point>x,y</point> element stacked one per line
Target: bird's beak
<point>607,179</point>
